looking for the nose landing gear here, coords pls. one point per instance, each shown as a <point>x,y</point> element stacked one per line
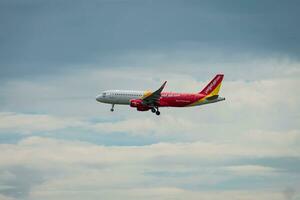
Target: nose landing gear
<point>112,107</point>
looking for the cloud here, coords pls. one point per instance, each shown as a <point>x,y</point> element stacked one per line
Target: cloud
<point>289,193</point>
<point>144,126</point>
<point>2,197</point>
<point>157,193</point>
<point>65,169</point>
<point>66,152</point>
<point>248,170</point>
<point>264,94</point>
<point>28,123</point>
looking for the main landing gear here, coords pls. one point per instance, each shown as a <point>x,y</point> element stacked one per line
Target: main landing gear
<point>155,110</point>
<point>112,107</point>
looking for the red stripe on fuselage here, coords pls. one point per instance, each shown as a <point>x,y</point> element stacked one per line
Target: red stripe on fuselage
<point>173,99</point>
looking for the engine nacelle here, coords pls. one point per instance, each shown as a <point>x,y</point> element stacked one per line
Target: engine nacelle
<point>138,104</point>
<point>135,102</point>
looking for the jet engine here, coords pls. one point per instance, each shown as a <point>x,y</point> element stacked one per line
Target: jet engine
<point>138,104</point>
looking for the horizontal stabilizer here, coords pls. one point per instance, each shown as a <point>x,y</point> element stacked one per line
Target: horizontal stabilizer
<point>212,97</point>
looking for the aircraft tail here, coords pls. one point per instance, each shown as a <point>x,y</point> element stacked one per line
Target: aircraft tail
<point>213,87</point>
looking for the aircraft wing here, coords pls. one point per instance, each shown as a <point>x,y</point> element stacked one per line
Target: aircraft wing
<point>153,98</point>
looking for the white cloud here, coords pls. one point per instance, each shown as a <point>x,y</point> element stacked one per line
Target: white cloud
<point>165,125</point>
<point>186,129</point>
<point>34,149</point>
<point>78,169</point>
<point>3,197</point>
<point>249,170</point>
<point>264,94</point>
<point>155,194</point>
<point>27,123</point>
<point>271,137</point>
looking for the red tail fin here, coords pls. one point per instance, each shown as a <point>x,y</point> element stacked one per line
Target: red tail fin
<point>214,86</point>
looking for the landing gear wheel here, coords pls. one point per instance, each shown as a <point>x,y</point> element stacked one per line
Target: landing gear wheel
<point>112,110</point>
<point>153,110</point>
<point>157,113</point>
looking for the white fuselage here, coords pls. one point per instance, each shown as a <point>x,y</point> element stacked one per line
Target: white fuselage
<point>119,96</point>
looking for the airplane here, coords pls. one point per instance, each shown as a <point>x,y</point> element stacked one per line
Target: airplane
<point>147,100</point>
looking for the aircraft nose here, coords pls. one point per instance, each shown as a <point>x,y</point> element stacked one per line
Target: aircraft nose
<point>99,98</point>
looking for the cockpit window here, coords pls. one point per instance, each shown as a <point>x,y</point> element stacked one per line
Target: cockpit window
<point>104,94</point>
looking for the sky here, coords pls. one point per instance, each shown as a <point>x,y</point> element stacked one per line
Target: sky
<point>57,142</point>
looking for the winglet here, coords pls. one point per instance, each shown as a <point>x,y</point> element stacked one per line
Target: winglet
<point>163,85</point>
<point>161,88</point>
